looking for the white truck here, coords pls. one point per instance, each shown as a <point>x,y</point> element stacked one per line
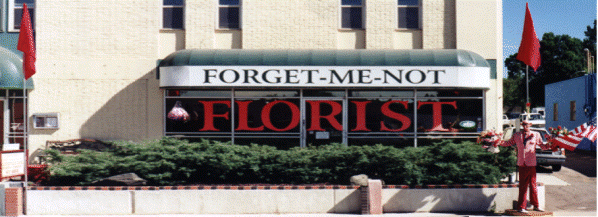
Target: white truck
<point>536,119</point>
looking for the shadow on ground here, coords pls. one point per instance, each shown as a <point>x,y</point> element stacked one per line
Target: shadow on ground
<point>583,162</point>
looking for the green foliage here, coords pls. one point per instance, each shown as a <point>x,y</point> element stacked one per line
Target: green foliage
<point>170,161</point>
<point>563,57</point>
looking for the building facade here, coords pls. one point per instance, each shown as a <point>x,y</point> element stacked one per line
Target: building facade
<point>574,107</point>
<point>11,74</point>
<point>114,70</point>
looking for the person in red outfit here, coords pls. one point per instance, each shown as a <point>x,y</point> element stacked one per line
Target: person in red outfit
<point>526,142</point>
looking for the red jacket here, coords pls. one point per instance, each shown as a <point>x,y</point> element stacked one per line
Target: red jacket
<point>526,147</point>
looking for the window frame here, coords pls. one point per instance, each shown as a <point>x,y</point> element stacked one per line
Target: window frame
<point>572,111</point>
<point>419,15</point>
<point>239,6</point>
<point>555,113</point>
<point>363,17</point>
<point>11,15</point>
<point>174,6</point>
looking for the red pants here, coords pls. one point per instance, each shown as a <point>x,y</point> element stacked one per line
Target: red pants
<point>527,177</point>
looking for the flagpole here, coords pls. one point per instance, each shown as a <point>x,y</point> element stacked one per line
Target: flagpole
<point>25,128</point>
<point>526,88</point>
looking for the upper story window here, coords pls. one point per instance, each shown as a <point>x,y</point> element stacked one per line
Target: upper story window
<point>408,14</point>
<point>172,14</point>
<point>229,14</point>
<point>352,14</point>
<point>15,12</point>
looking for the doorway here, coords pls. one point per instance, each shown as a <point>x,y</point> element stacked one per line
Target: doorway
<point>323,121</point>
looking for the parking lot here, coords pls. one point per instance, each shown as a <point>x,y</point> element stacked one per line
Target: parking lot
<point>573,189</point>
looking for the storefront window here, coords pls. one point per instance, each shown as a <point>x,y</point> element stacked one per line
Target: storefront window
<point>449,116</point>
<point>266,116</point>
<point>198,116</point>
<point>311,117</point>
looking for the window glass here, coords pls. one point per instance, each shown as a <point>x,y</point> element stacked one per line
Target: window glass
<point>207,115</point>
<point>352,18</point>
<point>172,14</point>
<point>381,115</point>
<point>409,2</point>
<point>446,115</point>
<point>229,14</point>
<point>351,14</point>
<point>352,2</point>
<point>229,2</point>
<point>17,12</point>
<point>267,116</point>
<point>408,14</point>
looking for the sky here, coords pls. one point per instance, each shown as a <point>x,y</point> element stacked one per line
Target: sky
<point>561,17</point>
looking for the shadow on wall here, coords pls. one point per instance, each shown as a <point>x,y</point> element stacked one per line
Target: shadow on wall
<point>349,204</point>
<point>129,113</point>
<point>429,200</point>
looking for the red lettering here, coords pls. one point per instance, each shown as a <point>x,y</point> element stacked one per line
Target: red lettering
<point>405,121</point>
<point>360,116</point>
<point>266,115</point>
<point>437,113</point>
<point>208,124</point>
<point>316,116</point>
<point>243,123</point>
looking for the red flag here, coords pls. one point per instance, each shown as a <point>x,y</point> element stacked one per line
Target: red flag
<point>27,44</point>
<point>529,49</point>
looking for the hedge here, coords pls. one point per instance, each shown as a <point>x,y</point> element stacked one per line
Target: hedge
<point>171,161</point>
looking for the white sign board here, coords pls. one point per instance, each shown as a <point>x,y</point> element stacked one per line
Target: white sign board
<point>325,76</point>
<point>10,146</point>
<point>13,164</point>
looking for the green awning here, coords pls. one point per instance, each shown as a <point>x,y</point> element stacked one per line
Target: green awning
<point>195,68</point>
<point>241,57</point>
<point>11,71</point>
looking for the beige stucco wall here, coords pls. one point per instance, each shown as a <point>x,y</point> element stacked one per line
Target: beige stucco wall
<point>478,29</point>
<point>96,58</point>
<point>95,62</point>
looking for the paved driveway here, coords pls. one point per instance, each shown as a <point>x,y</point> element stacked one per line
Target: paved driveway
<point>578,195</point>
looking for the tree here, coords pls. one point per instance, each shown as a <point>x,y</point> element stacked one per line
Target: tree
<point>590,40</point>
<point>563,58</point>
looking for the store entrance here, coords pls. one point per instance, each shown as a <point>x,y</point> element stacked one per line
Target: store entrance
<point>323,121</point>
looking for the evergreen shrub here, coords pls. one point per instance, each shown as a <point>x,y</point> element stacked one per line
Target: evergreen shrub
<point>171,161</point>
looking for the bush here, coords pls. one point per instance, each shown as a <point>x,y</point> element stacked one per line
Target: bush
<point>170,161</point>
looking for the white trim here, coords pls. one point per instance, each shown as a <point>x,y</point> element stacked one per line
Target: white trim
<point>3,16</point>
<point>11,16</point>
<point>325,76</point>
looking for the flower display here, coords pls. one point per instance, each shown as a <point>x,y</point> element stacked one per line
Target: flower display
<point>489,140</point>
<point>554,133</point>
